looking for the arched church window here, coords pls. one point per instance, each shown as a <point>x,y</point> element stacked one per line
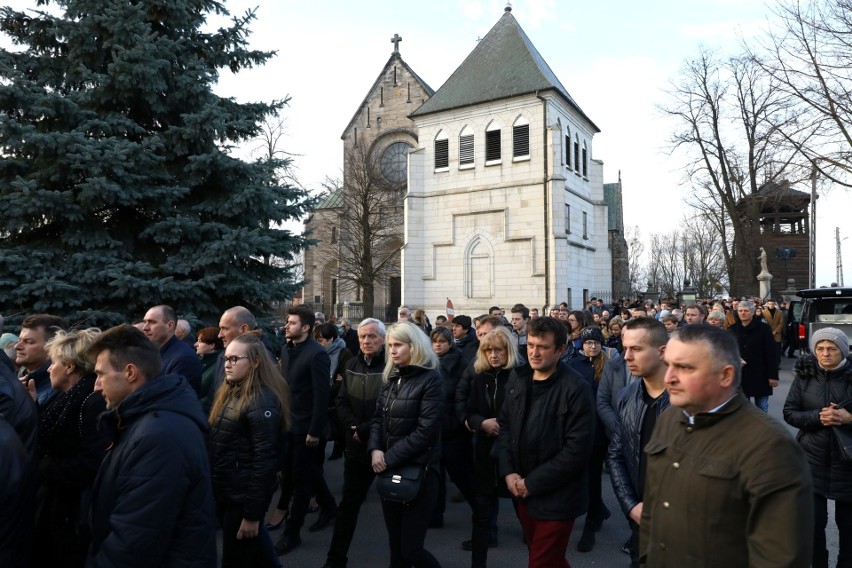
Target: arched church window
<point>466,153</point>
<point>493,150</point>
<point>442,151</point>
<point>585,161</point>
<point>521,138</point>
<point>478,275</point>
<point>577,153</point>
<point>568,147</point>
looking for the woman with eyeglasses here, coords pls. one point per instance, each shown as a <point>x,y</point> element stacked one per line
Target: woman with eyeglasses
<point>614,339</point>
<point>577,321</point>
<point>247,425</point>
<point>495,359</point>
<point>591,365</point>
<point>406,430</point>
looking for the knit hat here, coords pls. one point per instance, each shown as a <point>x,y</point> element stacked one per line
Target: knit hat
<point>834,335</point>
<point>463,321</point>
<point>591,334</point>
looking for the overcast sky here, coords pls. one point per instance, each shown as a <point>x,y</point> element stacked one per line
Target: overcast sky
<point>616,59</point>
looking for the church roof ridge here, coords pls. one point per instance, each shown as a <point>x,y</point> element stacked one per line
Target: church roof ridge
<point>395,56</point>
<point>504,64</point>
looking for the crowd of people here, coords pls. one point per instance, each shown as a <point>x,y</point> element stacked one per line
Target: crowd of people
<point>133,446</point>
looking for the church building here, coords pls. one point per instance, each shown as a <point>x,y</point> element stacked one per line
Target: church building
<point>502,199</point>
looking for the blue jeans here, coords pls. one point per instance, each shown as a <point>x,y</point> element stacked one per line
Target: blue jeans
<point>762,402</point>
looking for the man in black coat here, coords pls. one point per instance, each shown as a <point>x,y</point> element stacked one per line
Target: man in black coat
<point>760,353</point>
<point>177,357</point>
<point>547,425</point>
<point>152,501</point>
<point>356,405</point>
<point>306,366</point>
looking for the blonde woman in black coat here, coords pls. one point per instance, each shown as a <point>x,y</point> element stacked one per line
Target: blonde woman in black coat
<point>407,430</point>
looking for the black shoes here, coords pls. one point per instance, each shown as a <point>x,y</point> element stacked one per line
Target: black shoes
<point>326,518</point>
<point>468,544</point>
<point>286,544</point>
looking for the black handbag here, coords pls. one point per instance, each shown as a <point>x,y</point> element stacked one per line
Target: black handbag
<point>844,440</point>
<point>401,484</point>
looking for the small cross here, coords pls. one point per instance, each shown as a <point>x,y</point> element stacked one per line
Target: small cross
<point>395,41</point>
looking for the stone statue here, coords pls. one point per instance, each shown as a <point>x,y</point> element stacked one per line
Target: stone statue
<point>763,266</point>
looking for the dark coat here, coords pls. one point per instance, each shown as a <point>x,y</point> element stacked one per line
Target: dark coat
<point>488,391</point>
<point>245,451</point>
<point>615,377</point>
<point>178,358</point>
<point>306,366</point>
<point>44,391</point>
<point>624,447</point>
<point>759,351</point>
<point>452,369</point>
<point>15,499</point>
<point>562,422</point>
<point>210,364</point>
<point>812,390</point>
<point>152,501</point>
<point>407,424</point>
<point>350,338</point>
<point>356,402</point>
<point>586,367</point>
<point>70,452</point>
<point>19,410</point>
<point>732,490</point>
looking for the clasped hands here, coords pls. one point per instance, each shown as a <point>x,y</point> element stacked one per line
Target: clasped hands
<point>517,486</point>
<point>831,415</point>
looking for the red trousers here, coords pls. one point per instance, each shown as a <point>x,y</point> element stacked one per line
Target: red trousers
<point>547,540</point>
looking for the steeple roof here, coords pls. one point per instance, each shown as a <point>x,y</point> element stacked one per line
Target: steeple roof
<point>504,64</point>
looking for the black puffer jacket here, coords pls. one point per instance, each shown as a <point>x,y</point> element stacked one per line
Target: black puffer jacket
<point>152,501</point>
<point>812,390</point>
<point>562,423</point>
<point>407,424</point>
<point>452,369</point>
<point>245,451</point>
<point>356,402</point>
<point>624,447</point>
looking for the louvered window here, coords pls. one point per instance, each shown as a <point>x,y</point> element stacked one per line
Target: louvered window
<point>492,146</point>
<point>585,161</point>
<point>521,140</point>
<point>577,155</point>
<point>466,147</point>
<point>442,153</point>
<point>568,151</point>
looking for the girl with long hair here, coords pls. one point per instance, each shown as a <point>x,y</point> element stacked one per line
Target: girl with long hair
<point>248,421</point>
<point>407,430</point>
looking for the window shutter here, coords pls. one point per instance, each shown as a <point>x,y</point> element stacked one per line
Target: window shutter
<point>466,149</point>
<point>442,153</point>
<point>521,141</point>
<point>492,145</point>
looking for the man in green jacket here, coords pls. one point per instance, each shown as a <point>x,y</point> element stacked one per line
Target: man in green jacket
<point>726,485</point>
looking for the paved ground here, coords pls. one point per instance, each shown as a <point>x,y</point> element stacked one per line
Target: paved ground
<point>369,549</point>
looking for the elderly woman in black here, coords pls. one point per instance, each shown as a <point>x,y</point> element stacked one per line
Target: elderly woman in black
<point>248,422</point>
<point>495,359</point>
<point>819,402</point>
<point>70,451</point>
<point>407,430</point>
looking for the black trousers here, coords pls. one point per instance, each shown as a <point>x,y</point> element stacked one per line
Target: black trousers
<point>307,476</point>
<point>357,478</point>
<point>407,525</point>
<point>457,462</point>
<point>245,553</point>
<point>843,518</point>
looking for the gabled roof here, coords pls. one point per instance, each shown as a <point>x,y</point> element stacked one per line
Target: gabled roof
<point>504,64</point>
<point>331,200</point>
<point>394,58</point>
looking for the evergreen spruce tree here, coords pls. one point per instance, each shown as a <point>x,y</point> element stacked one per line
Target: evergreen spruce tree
<point>118,188</point>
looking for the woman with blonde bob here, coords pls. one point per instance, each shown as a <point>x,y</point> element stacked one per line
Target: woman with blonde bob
<point>70,451</point>
<point>495,360</point>
<point>406,430</point>
<point>248,421</point>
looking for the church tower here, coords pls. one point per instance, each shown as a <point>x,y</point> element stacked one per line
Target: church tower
<point>505,202</point>
<point>355,269</point>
